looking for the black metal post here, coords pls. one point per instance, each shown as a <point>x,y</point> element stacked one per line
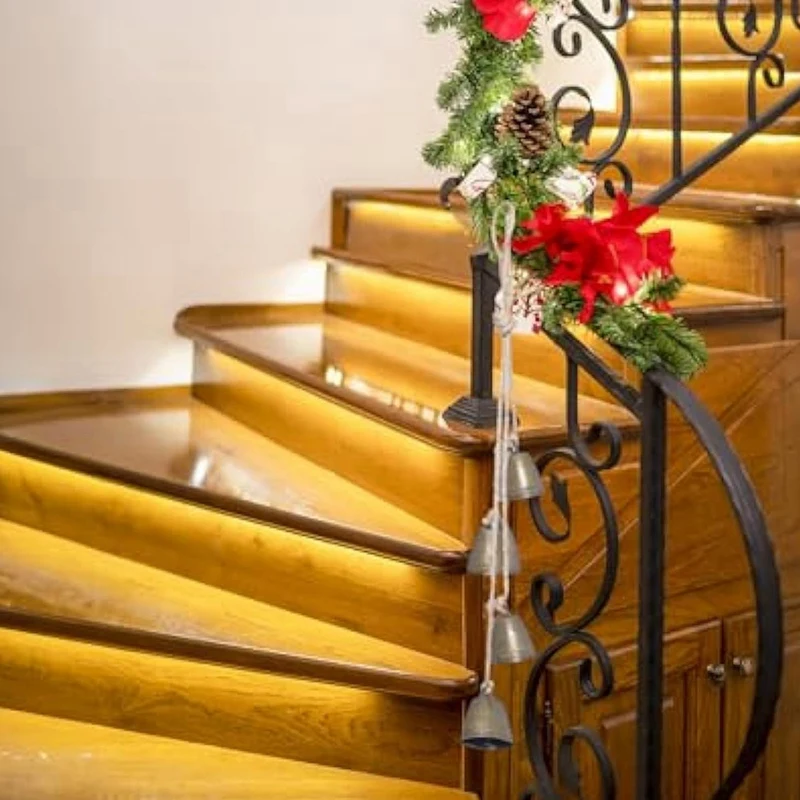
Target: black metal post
<point>479,408</point>
<point>652,518</point>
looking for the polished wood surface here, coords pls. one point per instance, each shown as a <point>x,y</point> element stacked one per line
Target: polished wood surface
<point>692,709</point>
<point>778,774</point>
<point>413,606</point>
<point>261,713</point>
<point>131,605</point>
<point>42,758</point>
<point>404,383</point>
<point>648,36</point>
<point>758,164</point>
<point>189,451</point>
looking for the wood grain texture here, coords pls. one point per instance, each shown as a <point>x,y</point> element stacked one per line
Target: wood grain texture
<point>90,596</point>
<point>43,758</point>
<point>691,754</point>
<point>284,717</point>
<point>415,607</point>
<point>764,428</point>
<point>778,774</point>
<point>192,453</point>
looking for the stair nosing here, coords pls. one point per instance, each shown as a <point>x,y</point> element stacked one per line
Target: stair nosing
<point>247,657</point>
<point>463,443</point>
<point>337,533</point>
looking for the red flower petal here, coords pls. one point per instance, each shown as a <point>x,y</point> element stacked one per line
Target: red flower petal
<point>659,251</point>
<point>510,23</point>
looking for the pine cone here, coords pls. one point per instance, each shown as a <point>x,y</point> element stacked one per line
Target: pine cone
<point>527,117</point>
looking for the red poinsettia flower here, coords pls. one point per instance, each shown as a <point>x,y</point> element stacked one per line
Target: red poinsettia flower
<point>507,20</point>
<point>608,259</point>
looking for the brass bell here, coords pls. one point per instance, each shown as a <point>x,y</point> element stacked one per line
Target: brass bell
<point>524,478</point>
<point>486,724</point>
<point>511,642</point>
<point>479,561</point>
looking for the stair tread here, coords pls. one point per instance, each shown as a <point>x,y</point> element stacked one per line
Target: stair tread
<point>60,586</point>
<point>401,381</point>
<point>744,204</point>
<point>183,449</point>
<point>44,757</point>
<point>696,300</point>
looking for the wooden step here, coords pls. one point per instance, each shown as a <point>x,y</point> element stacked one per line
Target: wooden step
<point>382,294</point>
<point>761,162</point>
<point>172,484</point>
<point>265,713</point>
<point>184,449</point>
<point>409,231</point>
<point>42,758</point>
<point>648,35</point>
<point>401,382</point>
<point>50,585</point>
<point>366,402</point>
<point>652,92</point>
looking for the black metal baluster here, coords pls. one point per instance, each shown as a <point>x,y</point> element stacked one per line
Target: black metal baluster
<point>651,591</point>
<point>479,409</point>
<point>677,91</point>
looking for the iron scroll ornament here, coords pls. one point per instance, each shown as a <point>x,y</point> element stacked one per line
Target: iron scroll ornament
<point>547,593</point>
<point>547,596</point>
<point>568,42</point>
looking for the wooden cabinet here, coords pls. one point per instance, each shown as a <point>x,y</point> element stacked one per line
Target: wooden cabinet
<point>778,775</point>
<point>692,709</point>
<point>705,719</point>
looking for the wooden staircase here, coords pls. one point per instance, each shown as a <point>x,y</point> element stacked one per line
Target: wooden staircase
<point>254,586</point>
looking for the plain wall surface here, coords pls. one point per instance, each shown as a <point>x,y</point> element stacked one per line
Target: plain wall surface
<point>161,153</point>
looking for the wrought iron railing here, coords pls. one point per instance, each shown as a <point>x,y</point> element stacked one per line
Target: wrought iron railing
<point>764,63</point>
<point>649,405</point>
<point>547,591</point>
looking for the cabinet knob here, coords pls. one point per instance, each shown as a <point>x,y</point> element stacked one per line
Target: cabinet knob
<point>744,666</point>
<point>716,673</point>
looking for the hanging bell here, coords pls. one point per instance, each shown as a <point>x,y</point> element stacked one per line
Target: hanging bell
<point>480,557</point>
<point>511,642</point>
<point>486,725</point>
<point>524,478</point>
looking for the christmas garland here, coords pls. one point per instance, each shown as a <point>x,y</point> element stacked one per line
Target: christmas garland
<point>501,140</point>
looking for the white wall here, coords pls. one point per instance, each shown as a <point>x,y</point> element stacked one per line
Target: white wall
<point>158,153</point>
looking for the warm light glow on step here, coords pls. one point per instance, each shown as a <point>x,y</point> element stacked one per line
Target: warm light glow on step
<point>407,216</point>
<point>256,560</point>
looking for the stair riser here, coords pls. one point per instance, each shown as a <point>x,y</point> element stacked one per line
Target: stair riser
<point>267,714</point>
<point>761,162</point>
<point>433,242</point>
<point>424,481</point>
<point>412,606</point>
<point>649,35</point>
<point>398,302</point>
<point>652,93</point>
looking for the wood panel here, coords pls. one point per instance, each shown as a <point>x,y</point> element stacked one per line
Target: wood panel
<point>692,712</point>
<point>418,608</point>
<point>42,758</point>
<point>778,774</point>
<point>704,545</point>
<point>302,720</point>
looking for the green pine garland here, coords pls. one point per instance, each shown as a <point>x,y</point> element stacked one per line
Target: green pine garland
<point>474,93</point>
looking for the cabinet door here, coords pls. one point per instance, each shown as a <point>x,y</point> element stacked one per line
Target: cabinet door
<point>778,775</point>
<point>692,717</point>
